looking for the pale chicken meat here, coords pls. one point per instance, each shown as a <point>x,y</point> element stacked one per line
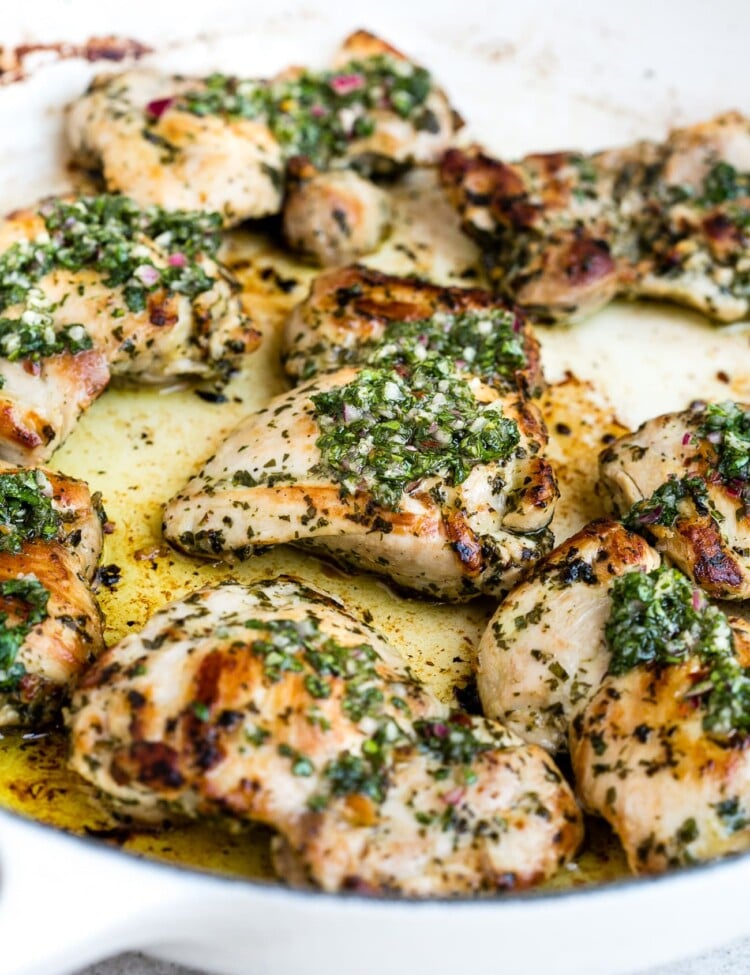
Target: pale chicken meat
<point>351,310</point>
<point>223,143</point>
<point>684,480</point>
<point>131,127</point>
<point>335,216</point>
<point>93,288</point>
<point>660,751</point>
<point>436,481</point>
<point>50,624</point>
<point>564,233</point>
<point>544,652</point>
<point>272,703</point>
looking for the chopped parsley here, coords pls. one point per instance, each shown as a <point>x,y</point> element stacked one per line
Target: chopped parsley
<point>31,594</point>
<point>660,618</point>
<point>389,428</point>
<point>724,183</point>
<point>727,426</point>
<point>452,741</point>
<point>299,645</point>
<point>26,510</point>
<point>113,236</point>
<point>663,507</point>
<point>485,344</point>
<point>319,113</point>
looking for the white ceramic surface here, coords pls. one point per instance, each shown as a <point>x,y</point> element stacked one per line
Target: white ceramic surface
<point>527,75</point>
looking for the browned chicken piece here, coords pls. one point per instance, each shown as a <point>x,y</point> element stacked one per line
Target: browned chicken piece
<point>661,749</point>
<point>50,624</point>
<point>435,481</point>
<point>544,652</point>
<point>335,216</point>
<point>94,287</point>
<point>223,143</point>
<point>351,310</point>
<point>563,233</point>
<point>684,479</point>
<point>273,703</point>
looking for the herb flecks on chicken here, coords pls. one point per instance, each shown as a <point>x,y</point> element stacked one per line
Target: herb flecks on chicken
<point>96,287</point>
<point>564,233</point>
<point>682,479</point>
<point>318,114</point>
<point>293,713</point>
<point>391,428</point>
<point>50,625</point>
<point>356,315</point>
<point>229,144</point>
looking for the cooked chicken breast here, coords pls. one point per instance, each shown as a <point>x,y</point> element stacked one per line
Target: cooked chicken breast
<point>565,232</point>
<point>134,129</point>
<point>272,703</point>
<point>385,473</point>
<point>684,479</point>
<point>92,288</point>
<point>50,624</point>
<point>351,310</point>
<point>335,216</point>
<point>544,653</point>
<point>661,749</point>
<point>222,143</point>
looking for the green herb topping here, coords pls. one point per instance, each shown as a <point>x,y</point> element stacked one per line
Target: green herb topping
<point>386,431</point>
<point>660,618</point>
<point>33,596</point>
<point>663,507</point>
<point>299,646</point>
<point>452,741</point>
<point>724,183</point>
<point>486,344</point>
<point>318,114</point>
<point>112,236</point>
<point>26,510</point>
<point>727,426</point>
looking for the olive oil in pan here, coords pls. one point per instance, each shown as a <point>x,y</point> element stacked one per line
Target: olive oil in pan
<point>138,447</point>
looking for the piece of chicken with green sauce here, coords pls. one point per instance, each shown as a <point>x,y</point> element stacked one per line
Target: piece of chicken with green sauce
<point>351,310</point>
<point>412,465</point>
<point>660,751</point>
<point>683,479</point>
<point>50,624</point>
<point>93,288</point>
<point>224,143</point>
<point>564,233</point>
<point>623,662</point>
<point>273,703</point>
<point>543,654</point>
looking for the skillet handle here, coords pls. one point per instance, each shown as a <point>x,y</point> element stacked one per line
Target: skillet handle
<point>66,902</point>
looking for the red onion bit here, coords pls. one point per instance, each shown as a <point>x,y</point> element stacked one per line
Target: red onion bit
<point>177,260</point>
<point>698,603</point>
<point>455,796</point>
<point>147,274</point>
<point>686,439</point>
<point>158,106</point>
<point>651,517</point>
<point>346,84</point>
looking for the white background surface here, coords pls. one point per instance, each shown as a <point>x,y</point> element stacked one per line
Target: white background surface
<point>733,960</point>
